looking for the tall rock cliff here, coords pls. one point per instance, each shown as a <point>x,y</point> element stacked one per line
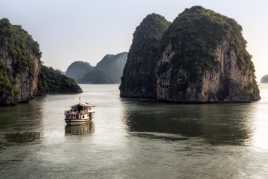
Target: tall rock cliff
<point>203,58</point>
<point>138,77</point>
<point>22,77</point>
<point>19,64</point>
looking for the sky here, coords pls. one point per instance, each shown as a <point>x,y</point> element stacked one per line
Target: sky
<point>70,30</point>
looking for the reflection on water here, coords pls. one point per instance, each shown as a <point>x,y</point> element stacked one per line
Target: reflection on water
<point>18,118</point>
<point>20,124</point>
<point>23,137</point>
<point>217,124</point>
<point>83,129</point>
<point>130,139</point>
<point>166,137</point>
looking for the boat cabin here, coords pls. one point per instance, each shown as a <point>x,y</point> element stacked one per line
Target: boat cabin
<point>81,107</point>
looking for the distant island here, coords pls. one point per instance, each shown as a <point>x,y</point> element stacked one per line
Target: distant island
<point>264,79</point>
<point>108,70</point>
<point>53,81</point>
<point>78,70</point>
<point>22,75</point>
<point>200,57</point>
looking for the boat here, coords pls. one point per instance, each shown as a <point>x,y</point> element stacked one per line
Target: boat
<point>79,114</point>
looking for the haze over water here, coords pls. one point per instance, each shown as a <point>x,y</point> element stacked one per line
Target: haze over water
<point>130,139</point>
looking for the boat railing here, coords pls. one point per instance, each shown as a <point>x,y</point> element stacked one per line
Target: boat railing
<point>76,112</point>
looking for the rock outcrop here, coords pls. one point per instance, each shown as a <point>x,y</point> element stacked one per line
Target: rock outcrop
<point>21,69</point>
<point>113,66</point>
<point>264,79</point>
<point>55,82</point>
<point>139,74</point>
<point>78,70</point>
<point>19,64</point>
<point>109,70</point>
<point>203,58</point>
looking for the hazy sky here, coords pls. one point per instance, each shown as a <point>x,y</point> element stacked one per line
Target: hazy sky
<point>69,30</point>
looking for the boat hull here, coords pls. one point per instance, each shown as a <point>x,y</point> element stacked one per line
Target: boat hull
<point>77,121</point>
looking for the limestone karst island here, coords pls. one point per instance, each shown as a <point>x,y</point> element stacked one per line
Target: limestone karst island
<point>199,57</point>
<point>22,75</point>
<point>133,89</point>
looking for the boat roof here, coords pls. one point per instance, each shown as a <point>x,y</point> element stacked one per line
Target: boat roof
<point>84,105</point>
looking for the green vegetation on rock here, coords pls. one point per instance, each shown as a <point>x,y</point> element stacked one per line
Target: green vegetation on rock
<point>5,83</point>
<point>53,82</point>
<point>209,60</point>
<point>19,64</point>
<point>21,75</point>
<point>18,45</point>
<point>201,31</point>
<point>138,77</point>
<point>200,57</point>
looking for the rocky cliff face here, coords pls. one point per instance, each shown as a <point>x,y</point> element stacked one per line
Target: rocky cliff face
<point>138,77</point>
<point>78,70</point>
<point>203,58</point>
<point>113,66</point>
<point>19,64</point>
<point>22,77</point>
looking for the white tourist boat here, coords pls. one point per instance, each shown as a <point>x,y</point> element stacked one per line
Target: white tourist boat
<point>79,114</point>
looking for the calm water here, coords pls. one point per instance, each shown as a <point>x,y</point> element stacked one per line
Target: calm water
<point>131,139</point>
